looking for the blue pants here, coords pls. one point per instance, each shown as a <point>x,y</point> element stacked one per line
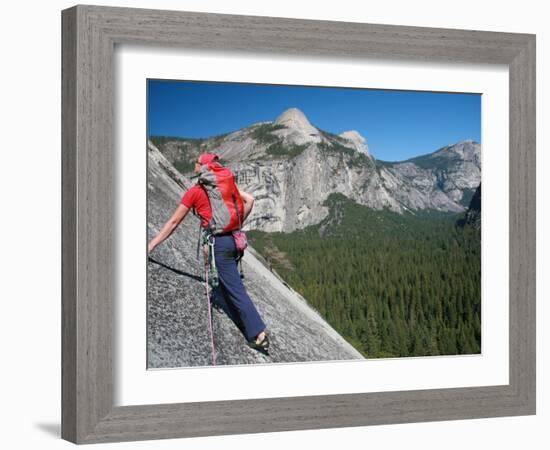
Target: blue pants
<point>233,288</point>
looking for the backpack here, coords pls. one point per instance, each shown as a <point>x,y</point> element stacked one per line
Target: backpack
<point>225,199</point>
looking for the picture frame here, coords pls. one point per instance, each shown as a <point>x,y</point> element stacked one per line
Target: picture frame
<point>89,37</point>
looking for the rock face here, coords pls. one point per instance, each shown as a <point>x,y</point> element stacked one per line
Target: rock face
<point>290,194</point>
<point>472,216</point>
<point>296,129</point>
<point>355,139</point>
<point>291,167</point>
<point>177,314</point>
<point>438,180</point>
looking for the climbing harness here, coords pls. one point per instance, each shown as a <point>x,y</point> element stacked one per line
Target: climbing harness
<point>206,241</point>
<point>241,266</point>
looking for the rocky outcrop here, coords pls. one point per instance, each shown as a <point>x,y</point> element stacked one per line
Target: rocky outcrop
<point>296,129</point>
<point>177,314</point>
<point>472,217</point>
<point>290,196</point>
<point>356,140</point>
<point>435,181</point>
<point>445,174</point>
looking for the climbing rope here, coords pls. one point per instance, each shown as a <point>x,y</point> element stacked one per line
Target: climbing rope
<point>206,269</point>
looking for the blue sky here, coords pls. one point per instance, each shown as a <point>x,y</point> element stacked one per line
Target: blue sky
<point>397,124</point>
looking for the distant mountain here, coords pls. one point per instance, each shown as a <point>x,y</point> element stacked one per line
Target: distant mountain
<point>291,167</point>
<point>449,176</point>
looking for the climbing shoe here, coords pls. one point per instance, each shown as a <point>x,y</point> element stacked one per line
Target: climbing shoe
<point>260,344</point>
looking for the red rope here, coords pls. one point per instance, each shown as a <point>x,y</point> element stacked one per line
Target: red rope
<point>210,316</point>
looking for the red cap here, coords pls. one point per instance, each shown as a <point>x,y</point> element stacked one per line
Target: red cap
<point>207,158</point>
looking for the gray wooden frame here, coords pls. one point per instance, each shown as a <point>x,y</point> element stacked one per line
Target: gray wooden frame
<point>89,37</point>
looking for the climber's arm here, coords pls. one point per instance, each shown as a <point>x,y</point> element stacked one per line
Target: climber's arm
<point>169,227</point>
<point>248,201</point>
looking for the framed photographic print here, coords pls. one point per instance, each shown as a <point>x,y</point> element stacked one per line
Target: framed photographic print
<point>352,157</point>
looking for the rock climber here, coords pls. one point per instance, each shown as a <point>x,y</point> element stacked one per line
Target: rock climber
<point>225,253</point>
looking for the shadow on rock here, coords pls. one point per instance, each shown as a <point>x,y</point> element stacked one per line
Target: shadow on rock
<point>218,296</point>
<point>177,271</point>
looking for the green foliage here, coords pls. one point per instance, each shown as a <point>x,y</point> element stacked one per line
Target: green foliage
<point>280,150</point>
<point>391,284</point>
<point>263,133</point>
<point>339,146</point>
<point>435,160</point>
<point>184,166</point>
<point>183,152</point>
<point>161,141</point>
<point>334,137</point>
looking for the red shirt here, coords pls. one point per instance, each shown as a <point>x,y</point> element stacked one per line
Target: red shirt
<point>196,197</point>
